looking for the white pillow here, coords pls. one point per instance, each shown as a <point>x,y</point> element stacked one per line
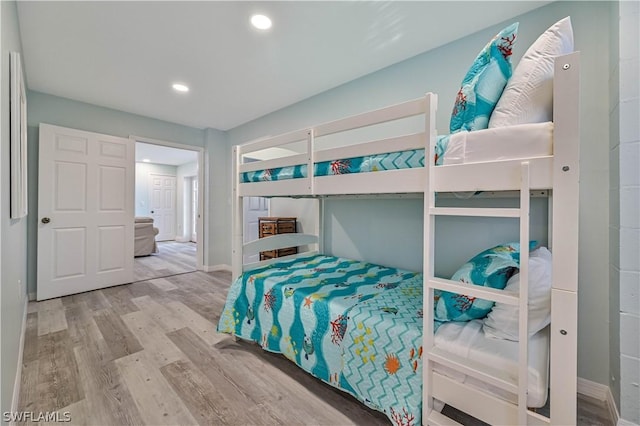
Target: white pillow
<point>502,321</point>
<point>528,97</point>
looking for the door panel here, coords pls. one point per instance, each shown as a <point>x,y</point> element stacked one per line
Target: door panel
<point>109,259</point>
<point>69,249</point>
<point>254,207</point>
<point>70,186</point>
<point>112,180</point>
<point>86,209</point>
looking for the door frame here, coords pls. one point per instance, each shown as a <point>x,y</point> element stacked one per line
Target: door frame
<point>203,225</point>
<point>193,181</point>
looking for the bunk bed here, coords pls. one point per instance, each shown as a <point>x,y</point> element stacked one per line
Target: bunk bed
<point>326,313</point>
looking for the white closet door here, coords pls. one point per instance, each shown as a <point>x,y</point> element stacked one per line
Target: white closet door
<point>163,205</point>
<point>254,207</point>
<point>86,210</point>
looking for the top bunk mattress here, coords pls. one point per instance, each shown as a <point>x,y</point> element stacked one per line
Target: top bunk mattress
<point>501,143</point>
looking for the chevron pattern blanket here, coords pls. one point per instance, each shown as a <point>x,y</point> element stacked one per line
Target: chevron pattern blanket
<point>354,325</point>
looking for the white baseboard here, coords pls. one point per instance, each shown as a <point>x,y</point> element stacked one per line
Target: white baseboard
<point>623,422</point>
<point>16,385</point>
<point>182,240</point>
<point>601,393</point>
<point>220,267</point>
<point>613,409</point>
<point>31,296</point>
<point>593,389</point>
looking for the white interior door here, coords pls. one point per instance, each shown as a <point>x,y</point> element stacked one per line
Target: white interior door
<point>254,207</point>
<point>163,205</point>
<point>86,210</point>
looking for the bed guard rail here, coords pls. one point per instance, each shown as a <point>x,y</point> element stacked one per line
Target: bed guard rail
<point>299,148</point>
<point>279,241</point>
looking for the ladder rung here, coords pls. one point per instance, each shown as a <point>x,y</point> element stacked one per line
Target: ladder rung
<point>439,419</point>
<point>486,293</point>
<point>474,369</point>
<point>486,212</point>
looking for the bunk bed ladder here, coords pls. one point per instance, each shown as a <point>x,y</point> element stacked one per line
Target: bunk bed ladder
<point>433,354</point>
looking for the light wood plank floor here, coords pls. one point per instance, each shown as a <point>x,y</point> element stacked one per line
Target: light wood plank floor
<point>148,353</point>
<point>172,258</point>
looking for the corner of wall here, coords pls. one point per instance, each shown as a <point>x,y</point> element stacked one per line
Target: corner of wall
<point>629,206</point>
<point>614,208</point>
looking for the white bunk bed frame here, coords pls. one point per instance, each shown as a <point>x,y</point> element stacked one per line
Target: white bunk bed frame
<point>558,173</point>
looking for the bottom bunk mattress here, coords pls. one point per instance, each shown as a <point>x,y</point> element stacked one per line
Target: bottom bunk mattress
<point>356,326</point>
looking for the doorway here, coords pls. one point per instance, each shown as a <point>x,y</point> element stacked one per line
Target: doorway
<point>168,176</point>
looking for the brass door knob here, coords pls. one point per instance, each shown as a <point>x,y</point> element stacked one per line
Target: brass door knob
<point>45,220</point>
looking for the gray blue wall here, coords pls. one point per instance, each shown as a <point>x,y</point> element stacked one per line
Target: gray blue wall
<point>441,71</point>
<point>218,170</point>
<point>13,232</point>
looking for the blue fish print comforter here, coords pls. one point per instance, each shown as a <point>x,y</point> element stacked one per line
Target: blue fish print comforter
<point>354,325</point>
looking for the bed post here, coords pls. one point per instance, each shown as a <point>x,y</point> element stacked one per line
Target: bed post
<point>431,102</point>
<point>564,296</point>
<point>320,225</point>
<point>236,217</point>
<point>311,161</point>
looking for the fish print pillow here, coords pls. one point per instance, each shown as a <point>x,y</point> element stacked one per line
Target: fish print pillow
<point>483,84</point>
<point>491,268</point>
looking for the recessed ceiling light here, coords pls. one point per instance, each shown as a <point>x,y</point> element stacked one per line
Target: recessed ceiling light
<point>180,87</point>
<point>146,160</point>
<point>261,22</point>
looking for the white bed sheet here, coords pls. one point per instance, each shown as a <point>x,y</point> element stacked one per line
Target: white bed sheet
<point>466,339</point>
<point>500,143</point>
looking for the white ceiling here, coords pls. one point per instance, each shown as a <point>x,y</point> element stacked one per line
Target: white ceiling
<point>126,55</point>
<point>158,154</point>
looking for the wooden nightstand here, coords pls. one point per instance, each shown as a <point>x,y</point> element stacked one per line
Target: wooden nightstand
<point>276,225</point>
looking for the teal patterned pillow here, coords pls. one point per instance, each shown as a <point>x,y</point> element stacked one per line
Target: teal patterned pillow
<point>484,83</point>
<point>491,268</point>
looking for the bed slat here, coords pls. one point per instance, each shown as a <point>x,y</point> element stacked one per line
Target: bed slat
<point>290,160</point>
<point>278,241</point>
<point>483,212</point>
<point>487,374</point>
<point>439,419</point>
<point>295,136</point>
<point>494,176</point>
<point>382,115</point>
<point>382,146</point>
<point>288,187</point>
<point>480,404</point>
<point>390,181</point>
<point>486,293</point>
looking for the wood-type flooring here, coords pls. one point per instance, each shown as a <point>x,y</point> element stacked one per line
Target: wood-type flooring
<point>148,353</point>
<point>172,258</point>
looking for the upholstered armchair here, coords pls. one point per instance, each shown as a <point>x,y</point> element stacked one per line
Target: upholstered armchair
<point>145,237</point>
